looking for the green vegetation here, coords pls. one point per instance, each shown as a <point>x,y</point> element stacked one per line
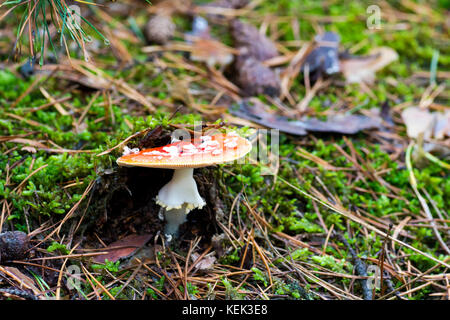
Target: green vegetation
<point>48,160</point>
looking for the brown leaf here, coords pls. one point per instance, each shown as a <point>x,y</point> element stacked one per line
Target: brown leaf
<point>212,52</point>
<point>22,280</point>
<point>122,248</point>
<point>29,149</point>
<point>13,245</point>
<point>362,69</point>
<point>206,263</point>
<point>229,4</point>
<point>255,111</point>
<point>205,48</point>
<point>422,121</point>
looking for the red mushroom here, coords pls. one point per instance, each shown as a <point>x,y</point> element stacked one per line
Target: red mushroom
<point>180,195</point>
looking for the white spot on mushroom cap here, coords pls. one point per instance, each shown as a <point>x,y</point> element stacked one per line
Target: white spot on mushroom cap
<point>172,150</point>
<point>154,153</point>
<point>209,143</point>
<point>127,151</point>
<point>230,142</point>
<point>189,146</point>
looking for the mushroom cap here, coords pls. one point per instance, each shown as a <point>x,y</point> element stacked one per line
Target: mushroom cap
<point>206,151</point>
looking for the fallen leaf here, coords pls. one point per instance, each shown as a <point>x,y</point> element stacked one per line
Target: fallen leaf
<point>22,280</point>
<point>342,123</point>
<point>29,149</point>
<point>362,69</point>
<point>255,111</point>
<point>442,127</point>
<point>212,52</point>
<point>122,248</point>
<point>205,48</point>
<point>422,121</point>
<point>145,255</point>
<point>229,4</point>
<point>205,263</point>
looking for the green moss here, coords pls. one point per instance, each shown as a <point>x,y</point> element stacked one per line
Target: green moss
<point>44,194</point>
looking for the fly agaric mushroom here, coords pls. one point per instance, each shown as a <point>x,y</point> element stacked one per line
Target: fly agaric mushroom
<point>180,195</point>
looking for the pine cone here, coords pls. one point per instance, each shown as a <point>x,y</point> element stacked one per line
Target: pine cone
<point>258,46</point>
<point>255,78</point>
<point>13,245</point>
<point>159,29</point>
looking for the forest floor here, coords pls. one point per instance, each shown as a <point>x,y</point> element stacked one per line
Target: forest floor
<point>335,213</point>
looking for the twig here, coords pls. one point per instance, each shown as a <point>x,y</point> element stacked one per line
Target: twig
<point>360,268</point>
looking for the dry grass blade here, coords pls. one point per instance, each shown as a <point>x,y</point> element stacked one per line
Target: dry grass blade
<point>422,201</point>
<point>18,188</point>
<point>22,280</point>
<point>293,69</point>
<point>356,219</point>
<point>52,100</point>
<point>122,143</point>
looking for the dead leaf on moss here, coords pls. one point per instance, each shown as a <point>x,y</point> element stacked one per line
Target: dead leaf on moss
<point>206,263</point>
<point>23,281</point>
<point>430,124</point>
<point>211,52</point>
<point>91,76</point>
<point>255,111</point>
<point>123,248</point>
<point>229,4</point>
<point>363,69</point>
<point>205,48</point>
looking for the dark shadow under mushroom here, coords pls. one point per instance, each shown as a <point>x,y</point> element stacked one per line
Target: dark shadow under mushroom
<point>123,203</point>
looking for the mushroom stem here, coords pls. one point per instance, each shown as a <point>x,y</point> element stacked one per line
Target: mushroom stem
<point>179,196</point>
<point>174,219</point>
